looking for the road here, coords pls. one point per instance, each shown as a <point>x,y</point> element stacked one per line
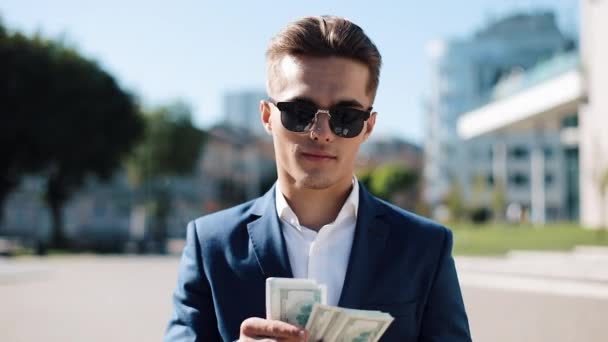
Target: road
<point>87,299</point>
<point>92,298</point>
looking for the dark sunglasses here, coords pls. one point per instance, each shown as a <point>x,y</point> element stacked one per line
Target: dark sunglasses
<point>344,122</point>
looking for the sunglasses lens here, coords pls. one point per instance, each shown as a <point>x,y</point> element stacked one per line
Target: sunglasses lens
<point>344,122</point>
<point>347,122</point>
<point>297,117</point>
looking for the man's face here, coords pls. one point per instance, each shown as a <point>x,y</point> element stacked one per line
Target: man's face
<point>317,159</point>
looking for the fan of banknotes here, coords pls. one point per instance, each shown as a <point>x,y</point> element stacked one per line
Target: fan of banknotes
<point>303,302</point>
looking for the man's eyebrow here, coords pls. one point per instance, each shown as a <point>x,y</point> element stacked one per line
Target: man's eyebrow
<point>304,99</point>
<point>348,103</point>
<point>342,103</point>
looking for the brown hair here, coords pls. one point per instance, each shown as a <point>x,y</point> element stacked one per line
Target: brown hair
<point>325,36</point>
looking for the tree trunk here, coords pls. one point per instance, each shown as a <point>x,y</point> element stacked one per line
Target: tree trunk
<point>56,196</point>
<point>58,239</point>
<point>2,201</point>
<point>603,224</point>
<point>7,184</point>
<point>162,214</point>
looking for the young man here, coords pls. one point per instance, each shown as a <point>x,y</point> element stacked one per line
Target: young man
<point>317,221</point>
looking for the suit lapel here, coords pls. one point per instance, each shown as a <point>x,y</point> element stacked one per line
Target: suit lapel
<point>267,239</point>
<point>368,244</point>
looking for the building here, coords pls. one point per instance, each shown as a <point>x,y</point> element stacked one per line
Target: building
<point>242,110</point>
<point>380,150</point>
<point>570,96</point>
<point>464,75</point>
<point>105,216</point>
<point>97,212</point>
<point>539,155</point>
<point>240,165</point>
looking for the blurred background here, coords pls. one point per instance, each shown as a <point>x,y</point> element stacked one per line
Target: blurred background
<point>121,122</point>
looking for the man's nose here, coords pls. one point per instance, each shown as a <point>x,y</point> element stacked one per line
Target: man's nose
<point>320,130</point>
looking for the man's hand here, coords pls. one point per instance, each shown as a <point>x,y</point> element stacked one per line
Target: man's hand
<point>259,329</point>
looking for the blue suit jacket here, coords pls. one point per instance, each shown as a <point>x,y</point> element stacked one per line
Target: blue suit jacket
<point>400,263</point>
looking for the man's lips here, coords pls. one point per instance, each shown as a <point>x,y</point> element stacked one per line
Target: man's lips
<point>318,156</point>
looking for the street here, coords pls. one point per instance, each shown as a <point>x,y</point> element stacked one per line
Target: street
<point>87,299</point>
<point>128,298</point>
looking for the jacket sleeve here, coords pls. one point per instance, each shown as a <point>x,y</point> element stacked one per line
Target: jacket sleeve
<point>444,318</point>
<point>193,316</point>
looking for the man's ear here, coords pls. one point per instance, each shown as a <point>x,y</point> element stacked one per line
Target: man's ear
<point>265,112</point>
<point>369,126</point>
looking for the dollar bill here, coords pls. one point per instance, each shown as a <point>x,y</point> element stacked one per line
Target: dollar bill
<point>321,318</point>
<point>303,302</point>
<point>292,300</point>
<point>358,326</point>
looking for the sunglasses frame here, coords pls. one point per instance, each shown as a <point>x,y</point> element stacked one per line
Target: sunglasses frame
<point>365,115</point>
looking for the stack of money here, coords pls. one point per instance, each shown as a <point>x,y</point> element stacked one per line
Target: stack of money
<point>291,300</point>
<point>331,323</point>
<point>303,302</point>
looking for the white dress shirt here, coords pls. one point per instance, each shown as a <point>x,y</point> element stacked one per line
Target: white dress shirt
<point>322,256</point>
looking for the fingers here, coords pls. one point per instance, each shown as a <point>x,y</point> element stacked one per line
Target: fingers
<point>258,327</point>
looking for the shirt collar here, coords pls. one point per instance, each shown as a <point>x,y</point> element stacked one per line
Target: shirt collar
<point>349,209</point>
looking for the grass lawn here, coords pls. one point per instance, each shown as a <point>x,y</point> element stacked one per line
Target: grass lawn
<point>496,239</point>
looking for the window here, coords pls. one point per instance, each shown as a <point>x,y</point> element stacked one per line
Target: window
<point>570,121</point>
<point>490,180</point>
<point>518,179</point>
<point>519,152</point>
<point>549,179</point>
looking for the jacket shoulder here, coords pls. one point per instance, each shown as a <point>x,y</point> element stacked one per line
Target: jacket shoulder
<point>413,225</point>
<point>223,222</point>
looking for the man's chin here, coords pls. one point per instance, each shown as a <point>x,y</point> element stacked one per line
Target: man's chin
<point>315,182</point>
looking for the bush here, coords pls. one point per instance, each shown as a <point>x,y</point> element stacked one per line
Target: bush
<point>480,215</point>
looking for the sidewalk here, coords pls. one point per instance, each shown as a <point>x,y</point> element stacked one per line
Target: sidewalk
<point>584,264</point>
<point>12,270</point>
<point>537,296</point>
<point>582,272</point>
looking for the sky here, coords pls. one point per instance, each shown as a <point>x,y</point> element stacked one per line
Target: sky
<point>196,51</point>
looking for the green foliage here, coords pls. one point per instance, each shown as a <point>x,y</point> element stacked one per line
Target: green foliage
<point>171,145</point>
<point>604,182</point>
<point>479,191</point>
<point>496,239</point>
<point>455,201</point>
<point>62,117</point>
<point>389,179</point>
<point>499,200</point>
<point>365,177</point>
<point>479,211</point>
<point>604,197</point>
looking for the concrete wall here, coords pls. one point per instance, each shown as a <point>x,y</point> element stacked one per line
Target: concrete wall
<point>594,114</point>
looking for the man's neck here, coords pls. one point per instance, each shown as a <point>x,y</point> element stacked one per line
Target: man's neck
<point>316,207</point>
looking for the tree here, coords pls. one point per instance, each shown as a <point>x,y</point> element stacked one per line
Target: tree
<point>365,177</point>
<point>499,200</point>
<point>479,193</point>
<point>454,200</point>
<point>64,118</point>
<point>171,147</point>
<point>388,180</point>
<point>599,174</point>
<point>480,211</point>
<point>603,185</point>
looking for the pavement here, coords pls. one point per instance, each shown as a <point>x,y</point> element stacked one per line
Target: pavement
<point>523,296</point>
<point>86,298</point>
<point>537,296</point>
